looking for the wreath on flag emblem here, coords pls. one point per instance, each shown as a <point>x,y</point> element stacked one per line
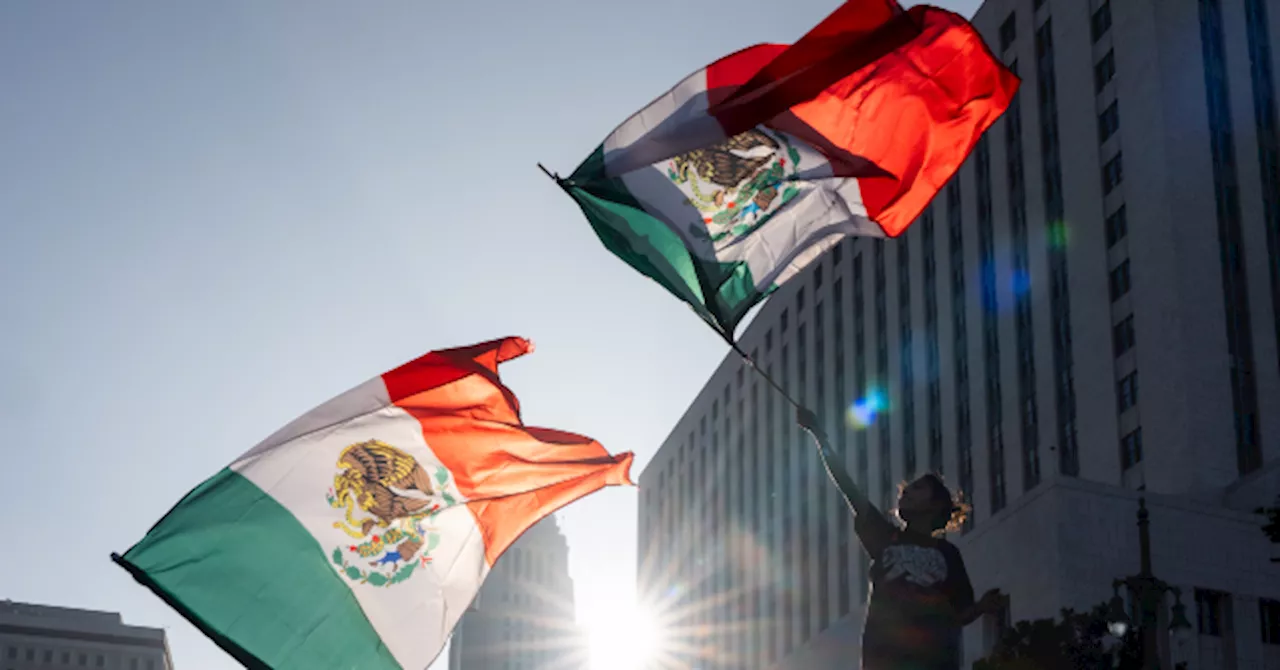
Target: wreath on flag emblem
<point>738,184</point>
<point>389,502</point>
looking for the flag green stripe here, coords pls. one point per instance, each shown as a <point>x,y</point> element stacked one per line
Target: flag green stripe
<point>241,568</point>
<point>648,244</point>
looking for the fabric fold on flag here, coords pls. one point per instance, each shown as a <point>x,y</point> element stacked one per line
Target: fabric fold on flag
<point>357,535</point>
<point>734,180</point>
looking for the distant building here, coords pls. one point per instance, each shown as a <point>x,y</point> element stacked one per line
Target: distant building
<point>60,638</point>
<point>1120,223</point>
<point>523,617</point>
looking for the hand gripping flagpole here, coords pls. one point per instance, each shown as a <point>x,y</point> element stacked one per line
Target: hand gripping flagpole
<point>728,338</point>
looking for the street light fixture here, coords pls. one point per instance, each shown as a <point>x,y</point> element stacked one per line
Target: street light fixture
<point>1149,592</point>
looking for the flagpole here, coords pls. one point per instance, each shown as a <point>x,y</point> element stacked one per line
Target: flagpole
<point>752,364</point>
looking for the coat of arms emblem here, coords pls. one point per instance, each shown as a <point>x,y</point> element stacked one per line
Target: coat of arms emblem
<point>737,184</point>
<point>389,500</point>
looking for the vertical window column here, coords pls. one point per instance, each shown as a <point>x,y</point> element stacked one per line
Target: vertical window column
<point>1244,392</point>
<point>862,466</point>
<point>990,328</point>
<point>1261,69</point>
<point>1059,284</point>
<point>1025,330</point>
<point>960,337</point>
<point>882,370</point>
<point>906,362</point>
<point>933,372</point>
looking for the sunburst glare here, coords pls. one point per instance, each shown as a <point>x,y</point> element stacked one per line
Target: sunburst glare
<point>625,637</point>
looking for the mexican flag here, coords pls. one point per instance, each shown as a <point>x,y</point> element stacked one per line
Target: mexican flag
<point>356,536</point>
<point>730,183</point>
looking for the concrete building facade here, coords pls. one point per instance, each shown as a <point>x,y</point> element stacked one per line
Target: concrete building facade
<point>60,638</point>
<point>1088,312</point>
<point>523,617</point>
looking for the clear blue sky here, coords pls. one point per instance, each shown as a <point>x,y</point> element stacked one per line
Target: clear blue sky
<point>214,216</point>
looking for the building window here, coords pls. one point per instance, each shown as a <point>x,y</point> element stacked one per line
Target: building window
<point>1117,226</point>
<point>1008,32</point>
<point>1101,22</point>
<point>1037,4</point>
<point>31,654</point>
<point>800,302</point>
<point>1209,612</point>
<point>1122,336</point>
<point>837,252</point>
<point>1109,122</point>
<point>1112,174</point>
<point>1269,616</point>
<point>83,659</point>
<point>817,276</point>
<point>1120,280</point>
<point>1127,392</point>
<point>1131,449</point>
<point>100,660</point>
<point>1104,71</point>
<point>782,322</point>
<point>12,652</point>
<point>48,656</point>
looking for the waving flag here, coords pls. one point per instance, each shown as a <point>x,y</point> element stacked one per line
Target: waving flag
<point>731,182</point>
<point>356,536</point>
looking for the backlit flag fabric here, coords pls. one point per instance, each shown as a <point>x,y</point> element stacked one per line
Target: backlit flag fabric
<point>739,176</point>
<point>356,536</point>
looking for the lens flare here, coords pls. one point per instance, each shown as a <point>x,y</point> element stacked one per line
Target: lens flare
<point>1059,235</point>
<point>1020,282</point>
<point>863,412</point>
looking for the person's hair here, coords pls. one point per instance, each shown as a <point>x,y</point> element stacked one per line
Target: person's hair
<point>953,516</point>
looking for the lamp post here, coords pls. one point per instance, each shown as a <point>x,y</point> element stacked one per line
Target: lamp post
<point>1149,593</point>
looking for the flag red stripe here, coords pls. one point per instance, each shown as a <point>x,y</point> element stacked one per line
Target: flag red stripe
<point>726,75</point>
<point>915,113</point>
<point>512,474</point>
<point>853,36</point>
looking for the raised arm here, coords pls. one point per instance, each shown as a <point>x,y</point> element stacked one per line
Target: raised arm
<point>852,494</point>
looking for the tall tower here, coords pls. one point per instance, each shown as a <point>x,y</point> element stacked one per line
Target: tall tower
<point>523,617</point>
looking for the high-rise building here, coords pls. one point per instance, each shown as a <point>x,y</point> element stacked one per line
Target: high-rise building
<point>1087,313</point>
<point>523,617</point>
<point>59,638</point>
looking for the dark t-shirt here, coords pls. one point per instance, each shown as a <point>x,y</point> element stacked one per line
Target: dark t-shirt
<point>918,588</point>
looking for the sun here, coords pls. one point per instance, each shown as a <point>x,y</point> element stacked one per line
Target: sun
<point>622,637</point>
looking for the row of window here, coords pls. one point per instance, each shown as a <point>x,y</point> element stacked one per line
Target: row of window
<point>67,658</point>
<point>1213,616</point>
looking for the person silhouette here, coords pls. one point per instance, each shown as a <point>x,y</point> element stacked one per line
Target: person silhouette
<point>921,596</point>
